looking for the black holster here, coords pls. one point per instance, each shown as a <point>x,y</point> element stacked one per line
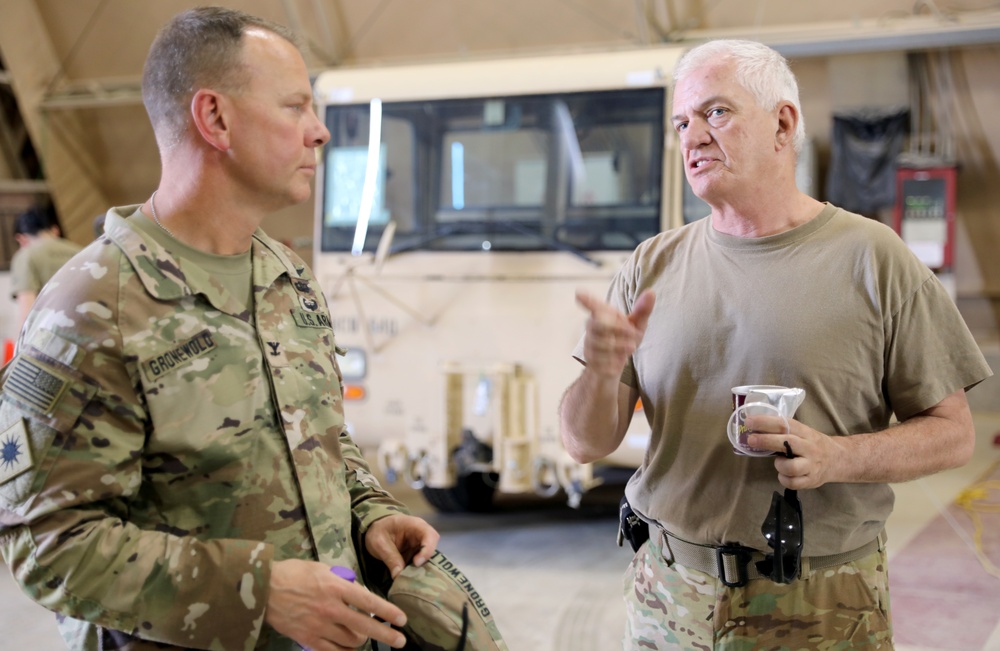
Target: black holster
<point>630,526</point>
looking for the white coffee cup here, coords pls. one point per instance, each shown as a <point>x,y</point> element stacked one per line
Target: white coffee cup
<point>740,393</point>
<point>760,400</point>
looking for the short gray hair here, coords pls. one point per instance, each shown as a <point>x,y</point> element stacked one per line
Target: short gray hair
<point>198,48</point>
<point>759,69</point>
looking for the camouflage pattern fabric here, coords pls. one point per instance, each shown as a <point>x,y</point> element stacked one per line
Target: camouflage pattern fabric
<point>432,596</point>
<point>841,608</point>
<point>162,446</point>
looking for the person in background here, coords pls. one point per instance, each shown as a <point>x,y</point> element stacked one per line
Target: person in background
<point>98,225</point>
<point>42,251</point>
<point>177,472</point>
<point>772,288</point>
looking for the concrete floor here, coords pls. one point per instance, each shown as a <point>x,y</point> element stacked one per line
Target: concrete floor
<point>552,575</point>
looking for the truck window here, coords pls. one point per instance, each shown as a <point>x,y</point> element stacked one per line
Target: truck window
<point>531,172</point>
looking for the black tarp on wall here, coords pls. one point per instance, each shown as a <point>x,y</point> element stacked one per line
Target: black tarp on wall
<point>865,145</point>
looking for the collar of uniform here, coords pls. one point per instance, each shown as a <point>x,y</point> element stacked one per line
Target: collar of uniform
<point>157,269</point>
<point>162,274</point>
<point>272,259</point>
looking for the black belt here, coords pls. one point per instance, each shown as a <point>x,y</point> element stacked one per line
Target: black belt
<point>735,565</point>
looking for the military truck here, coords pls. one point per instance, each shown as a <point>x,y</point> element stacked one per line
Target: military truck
<point>460,206</point>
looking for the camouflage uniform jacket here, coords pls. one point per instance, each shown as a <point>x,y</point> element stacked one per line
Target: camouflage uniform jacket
<point>162,446</point>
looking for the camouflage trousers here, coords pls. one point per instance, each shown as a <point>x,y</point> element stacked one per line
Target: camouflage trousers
<point>840,608</point>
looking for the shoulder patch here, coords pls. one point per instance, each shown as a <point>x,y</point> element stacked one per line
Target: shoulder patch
<point>15,453</point>
<point>56,347</point>
<point>34,384</point>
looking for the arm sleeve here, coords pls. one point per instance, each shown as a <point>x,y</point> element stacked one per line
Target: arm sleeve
<point>76,422</point>
<point>22,276</point>
<point>928,321</point>
<point>369,500</point>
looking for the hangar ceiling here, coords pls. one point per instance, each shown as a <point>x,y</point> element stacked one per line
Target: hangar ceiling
<point>74,65</point>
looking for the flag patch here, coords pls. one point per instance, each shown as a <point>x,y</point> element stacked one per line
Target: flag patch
<point>35,384</point>
<point>15,453</point>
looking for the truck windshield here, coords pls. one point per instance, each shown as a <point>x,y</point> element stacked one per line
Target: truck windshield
<point>580,171</point>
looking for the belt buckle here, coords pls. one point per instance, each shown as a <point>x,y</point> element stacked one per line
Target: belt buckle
<point>743,558</point>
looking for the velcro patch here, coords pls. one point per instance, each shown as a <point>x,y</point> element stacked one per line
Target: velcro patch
<point>179,356</point>
<point>37,385</point>
<point>311,319</point>
<point>15,453</point>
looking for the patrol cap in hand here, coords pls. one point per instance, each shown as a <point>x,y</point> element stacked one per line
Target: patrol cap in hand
<point>432,596</point>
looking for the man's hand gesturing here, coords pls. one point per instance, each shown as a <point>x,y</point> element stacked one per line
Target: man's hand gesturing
<point>611,336</point>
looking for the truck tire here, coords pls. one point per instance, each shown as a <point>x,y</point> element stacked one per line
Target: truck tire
<point>472,493</point>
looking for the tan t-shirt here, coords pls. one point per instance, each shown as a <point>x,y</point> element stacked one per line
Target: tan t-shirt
<point>838,306</point>
<point>34,265</point>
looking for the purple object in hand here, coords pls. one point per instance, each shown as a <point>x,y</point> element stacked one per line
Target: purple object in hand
<point>344,572</point>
